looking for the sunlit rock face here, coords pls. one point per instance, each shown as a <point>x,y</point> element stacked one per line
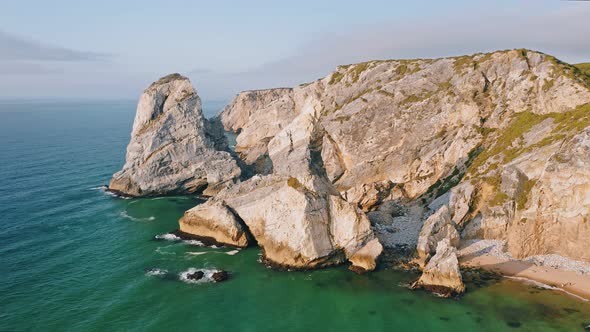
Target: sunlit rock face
<point>173,148</point>
<point>499,133</point>
<point>295,214</point>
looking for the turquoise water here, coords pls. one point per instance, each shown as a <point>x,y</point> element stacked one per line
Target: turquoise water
<point>75,258</point>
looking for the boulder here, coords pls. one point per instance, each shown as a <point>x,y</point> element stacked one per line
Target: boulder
<point>197,275</point>
<point>365,259</point>
<point>214,220</point>
<point>173,148</point>
<point>442,275</point>
<point>220,276</point>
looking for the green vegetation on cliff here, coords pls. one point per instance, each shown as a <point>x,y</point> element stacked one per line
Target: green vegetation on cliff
<point>584,67</point>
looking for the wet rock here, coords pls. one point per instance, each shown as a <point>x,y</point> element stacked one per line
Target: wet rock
<point>197,275</point>
<point>220,276</point>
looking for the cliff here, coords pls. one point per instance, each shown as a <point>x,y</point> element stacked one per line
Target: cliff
<point>500,139</point>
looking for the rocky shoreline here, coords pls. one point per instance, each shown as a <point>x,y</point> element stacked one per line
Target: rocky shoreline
<point>437,158</point>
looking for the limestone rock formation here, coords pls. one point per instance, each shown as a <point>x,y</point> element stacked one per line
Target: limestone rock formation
<point>556,216</point>
<point>501,134</point>
<point>413,122</point>
<point>214,220</point>
<point>365,259</point>
<point>173,148</point>
<point>295,214</point>
<point>437,227</point>
<point>442,275</point>
<point>258,116</point>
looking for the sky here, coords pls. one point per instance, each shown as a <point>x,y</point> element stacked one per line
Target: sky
<point>109,49</point>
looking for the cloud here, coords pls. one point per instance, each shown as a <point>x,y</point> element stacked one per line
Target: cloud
<point>562,33</point>
<point>25,68</point>
<point>16,48</point>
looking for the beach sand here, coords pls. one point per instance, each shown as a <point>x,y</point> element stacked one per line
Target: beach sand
<point>570,282</point>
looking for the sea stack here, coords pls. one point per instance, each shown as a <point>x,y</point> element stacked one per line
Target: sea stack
<point>174,149</point>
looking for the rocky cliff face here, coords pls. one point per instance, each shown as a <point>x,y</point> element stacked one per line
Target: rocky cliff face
<point>295,214</point>
<point>173,148</point>
<point>497,138</point>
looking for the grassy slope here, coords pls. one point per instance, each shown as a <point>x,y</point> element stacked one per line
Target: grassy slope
<point>585,67</point>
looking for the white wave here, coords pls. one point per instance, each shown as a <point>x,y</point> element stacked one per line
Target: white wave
<point>196,253</point>
<point>105,190</point>
<point>233,252</point>
<point>207,276</point>
<point>124,214</point>
<point>100,188</point>
<point>161,252</point>
<point>194,243</point>
<point>156,272</point>
<point>215,247</point>
<point>545,286</point>
<point>167,237</point>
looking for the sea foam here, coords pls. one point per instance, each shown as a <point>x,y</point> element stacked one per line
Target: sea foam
<point>207,275</point>
<point>167,237</point>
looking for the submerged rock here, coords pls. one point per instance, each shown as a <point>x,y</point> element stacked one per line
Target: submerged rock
<point>173,148</point>
<point>220,276</point>
<point>197,275</point>
<point>442,275</point>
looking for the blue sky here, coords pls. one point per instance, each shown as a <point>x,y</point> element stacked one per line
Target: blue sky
<point>114,49</point>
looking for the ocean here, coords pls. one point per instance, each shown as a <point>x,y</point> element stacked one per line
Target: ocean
<point>74,258</point>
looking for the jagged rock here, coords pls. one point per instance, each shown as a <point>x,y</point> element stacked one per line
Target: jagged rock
<point>461,200</point>
<point>370,196</point>
<point>214,220</point>
<point>258,116</point>
<point>412,123</point>
<point>295,214</point>
<point>442,274</point>
<point>437,227</point>
<point>173,148</point>
<point>197,275</point>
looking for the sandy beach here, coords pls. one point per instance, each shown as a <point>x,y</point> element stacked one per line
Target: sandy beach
<point>574,283</point>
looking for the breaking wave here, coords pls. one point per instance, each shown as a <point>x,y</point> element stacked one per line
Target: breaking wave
<point>125,215</point>
<point>167,237</point>
<point>207,276</point>
<point>156,272</point>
